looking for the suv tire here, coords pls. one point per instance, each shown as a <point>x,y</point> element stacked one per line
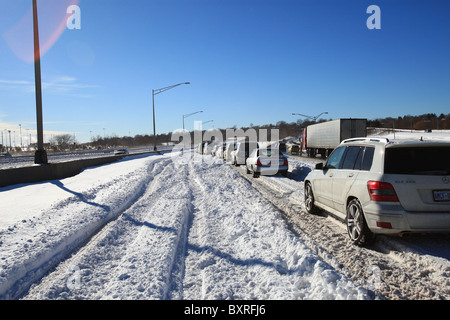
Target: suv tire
<point>357,228</point>
<point>309,199</point>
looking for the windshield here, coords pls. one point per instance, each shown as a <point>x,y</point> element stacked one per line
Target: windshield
<point>418,160</point>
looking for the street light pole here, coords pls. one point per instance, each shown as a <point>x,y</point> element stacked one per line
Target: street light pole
<point>154,127</point>
<point>312,118</point>
<point>40,157</point>
<point>10,145</point>
<point>21,144</point>
<point>154,93</point>
<point>203,123</point>
<point>188,115</point>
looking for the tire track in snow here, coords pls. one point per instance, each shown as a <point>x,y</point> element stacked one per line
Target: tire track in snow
<point>198,229</point>
<point>66,226</point>
<point>94,252</point>
<point>185,246</point>
<point>176,269</point>
<point>239,248</point>
<point>150,268</point>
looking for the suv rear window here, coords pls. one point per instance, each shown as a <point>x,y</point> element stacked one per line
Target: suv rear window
<point>417,160</point>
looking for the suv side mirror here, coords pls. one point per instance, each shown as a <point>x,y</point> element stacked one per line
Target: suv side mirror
<point>319,166</point>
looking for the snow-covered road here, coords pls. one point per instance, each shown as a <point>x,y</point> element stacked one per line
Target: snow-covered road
<point>159,227</point>
<point>155,227</point>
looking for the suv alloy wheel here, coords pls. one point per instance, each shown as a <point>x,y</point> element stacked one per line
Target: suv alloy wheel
<point>356,224</point>
<point>309,200</point>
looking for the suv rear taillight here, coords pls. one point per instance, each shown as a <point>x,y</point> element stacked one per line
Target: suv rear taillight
<point>258,163</point>
<point>285,163</point>
<point>381,191</point>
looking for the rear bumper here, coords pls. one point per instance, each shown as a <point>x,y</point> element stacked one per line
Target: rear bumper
<point>380,216</point>
<point>270,170</point>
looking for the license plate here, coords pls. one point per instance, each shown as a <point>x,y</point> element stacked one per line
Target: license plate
<point>441,195</point>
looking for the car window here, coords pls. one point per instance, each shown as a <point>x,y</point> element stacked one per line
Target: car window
<point>350,157</point>
<point>358,161</point>
<point>418,160</point>
<point>254,153</point>
<point>368,158</point>
<point>335,158</point>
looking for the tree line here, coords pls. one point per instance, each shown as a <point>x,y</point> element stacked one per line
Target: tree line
<point>428,121</point>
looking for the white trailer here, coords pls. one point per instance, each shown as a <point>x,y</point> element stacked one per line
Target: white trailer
<point>322,138</point>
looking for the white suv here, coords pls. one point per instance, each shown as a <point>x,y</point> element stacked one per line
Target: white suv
<point>378,186</point>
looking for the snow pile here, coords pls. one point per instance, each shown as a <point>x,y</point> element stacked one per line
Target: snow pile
<point>155,228</point>
<point>41,223</point>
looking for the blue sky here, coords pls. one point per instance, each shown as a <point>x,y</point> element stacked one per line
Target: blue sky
<point>248,61</point>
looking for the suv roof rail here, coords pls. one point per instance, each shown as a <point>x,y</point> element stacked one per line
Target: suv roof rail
<point>374,139</point>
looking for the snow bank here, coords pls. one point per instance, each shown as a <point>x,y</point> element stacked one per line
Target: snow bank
<point>41,223</point>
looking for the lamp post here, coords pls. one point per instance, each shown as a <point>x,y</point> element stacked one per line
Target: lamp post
<point>29,139</point>
<point>203,123</point>
<point>40,157</point>
<point>154,93</point>
<point>188,115</point>
<point>312,118</point>
<point>21,144</point>
<point>10,145</point>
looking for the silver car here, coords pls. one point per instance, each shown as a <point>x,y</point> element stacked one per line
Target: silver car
<point>382,187</point>
<point>266,161</point>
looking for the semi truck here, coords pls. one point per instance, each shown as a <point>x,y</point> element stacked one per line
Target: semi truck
<point>322,138</point>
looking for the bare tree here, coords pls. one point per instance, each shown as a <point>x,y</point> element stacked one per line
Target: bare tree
<point>63,141</point>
